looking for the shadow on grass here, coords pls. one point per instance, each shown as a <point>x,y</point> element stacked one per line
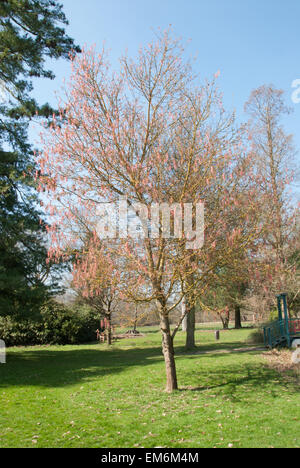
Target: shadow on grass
<point>65,366</point>
<point>238,382</point>
<point>217,346</point>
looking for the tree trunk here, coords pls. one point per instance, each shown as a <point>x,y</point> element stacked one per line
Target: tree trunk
<point>184,321</point>
<point>168,352</point>
<point>190,309</point>
<point>108,327</point>
<point>135,319</point>
<point>190,329</point>
<point>237,317</point>
<point>225,320</point>
<point>225,323</point>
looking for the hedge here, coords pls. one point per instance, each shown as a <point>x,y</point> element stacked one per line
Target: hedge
<point>57,324</point>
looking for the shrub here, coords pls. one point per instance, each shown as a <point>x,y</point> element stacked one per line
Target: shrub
<point>21,332</point>
<point>273,315</point>
<point>256,337</point>
<point>57,324</point>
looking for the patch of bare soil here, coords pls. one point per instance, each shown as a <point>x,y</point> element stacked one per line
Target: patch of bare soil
<point>281,360</point>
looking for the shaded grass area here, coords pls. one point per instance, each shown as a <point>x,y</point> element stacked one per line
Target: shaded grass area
<point>91,396</point>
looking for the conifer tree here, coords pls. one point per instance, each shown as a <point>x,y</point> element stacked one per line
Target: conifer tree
<point>30,32</point>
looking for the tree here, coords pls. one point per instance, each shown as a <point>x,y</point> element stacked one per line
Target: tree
<point>233,280</point>
<point>275,266</point>
<point>215,301</point>
<point>29,32</point>
<point>97,277</point>
<point>150,135</point>
<point>131,314</point>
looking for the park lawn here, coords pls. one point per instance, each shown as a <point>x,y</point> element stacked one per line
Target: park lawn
<point>91,396</point>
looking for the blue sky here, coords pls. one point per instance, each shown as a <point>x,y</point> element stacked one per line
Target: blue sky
<point>252,42</point>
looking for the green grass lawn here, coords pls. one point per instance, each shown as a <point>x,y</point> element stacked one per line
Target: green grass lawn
<point>91,396</point>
